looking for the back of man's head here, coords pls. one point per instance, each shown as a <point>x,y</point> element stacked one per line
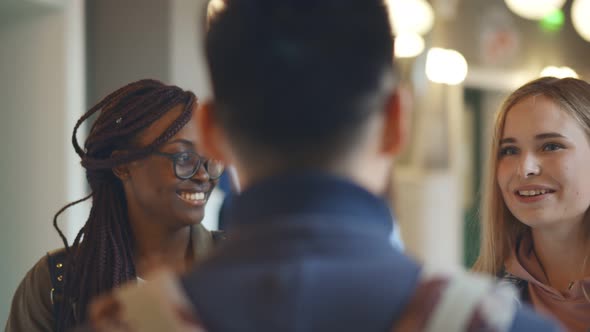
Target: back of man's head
<point>298,79</point>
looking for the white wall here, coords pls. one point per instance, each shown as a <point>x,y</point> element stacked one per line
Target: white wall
<point>41,88</point>
<point>429,196</point>
<point>188,65</point>
<point>127,40</point>
<point>430,216</point>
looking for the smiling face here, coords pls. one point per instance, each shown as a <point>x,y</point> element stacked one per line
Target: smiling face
<point>154,192</point>
<point>542,165</point>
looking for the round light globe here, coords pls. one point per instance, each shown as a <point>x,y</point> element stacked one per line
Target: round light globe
<point>445,66</point>
<point>534,9</point>
<point>581,18</point>
<point>408,45</point>
<point>415,16</point>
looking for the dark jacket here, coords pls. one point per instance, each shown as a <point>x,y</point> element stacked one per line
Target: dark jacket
<point>309,252</point>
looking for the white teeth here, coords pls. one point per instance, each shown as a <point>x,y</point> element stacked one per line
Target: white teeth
<point>532,192</point>
<point>192,196</point>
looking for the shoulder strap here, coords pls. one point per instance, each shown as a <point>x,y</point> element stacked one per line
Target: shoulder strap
<point>56,261</point>
<point>459,300</point>
<point>218,237</point>
<point>520,284</point>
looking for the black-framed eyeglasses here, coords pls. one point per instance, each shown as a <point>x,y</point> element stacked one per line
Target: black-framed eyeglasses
<point>187,164</point>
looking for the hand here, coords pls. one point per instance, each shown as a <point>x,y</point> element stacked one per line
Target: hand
<point>105,314</point>
<point>157,305</point>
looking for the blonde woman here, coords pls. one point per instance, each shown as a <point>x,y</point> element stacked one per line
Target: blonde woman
<point>535,221</point>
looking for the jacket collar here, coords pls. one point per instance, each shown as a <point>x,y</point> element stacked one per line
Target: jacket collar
<point>309,193</point>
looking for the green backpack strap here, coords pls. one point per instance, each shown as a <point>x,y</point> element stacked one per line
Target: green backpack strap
<point>56,261</point>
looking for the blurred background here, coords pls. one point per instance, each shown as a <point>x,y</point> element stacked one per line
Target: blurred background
<point>458,60</point>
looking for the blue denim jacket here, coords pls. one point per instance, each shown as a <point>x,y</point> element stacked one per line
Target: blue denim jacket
<point>309,252</point>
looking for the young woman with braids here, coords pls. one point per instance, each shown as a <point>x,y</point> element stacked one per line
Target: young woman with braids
<point>149,187</point>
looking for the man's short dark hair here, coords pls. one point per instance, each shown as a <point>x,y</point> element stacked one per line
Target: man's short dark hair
<point>298,78</point>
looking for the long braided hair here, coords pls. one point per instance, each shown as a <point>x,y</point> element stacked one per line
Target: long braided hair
<point>101,256</point>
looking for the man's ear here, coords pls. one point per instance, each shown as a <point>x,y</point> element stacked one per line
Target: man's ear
<point>395,129</point>
<point>212,140</point>
<point>121,171</point>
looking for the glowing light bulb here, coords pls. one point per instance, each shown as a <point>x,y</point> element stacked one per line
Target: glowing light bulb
<point>445,66</point>
<point>581,18</point>
<point>408,45</point>
<point>534,9</point>
<point>415,16</point>
<point>559,72</point>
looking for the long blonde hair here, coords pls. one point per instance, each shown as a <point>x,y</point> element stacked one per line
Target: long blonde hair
<point>500,229</point>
